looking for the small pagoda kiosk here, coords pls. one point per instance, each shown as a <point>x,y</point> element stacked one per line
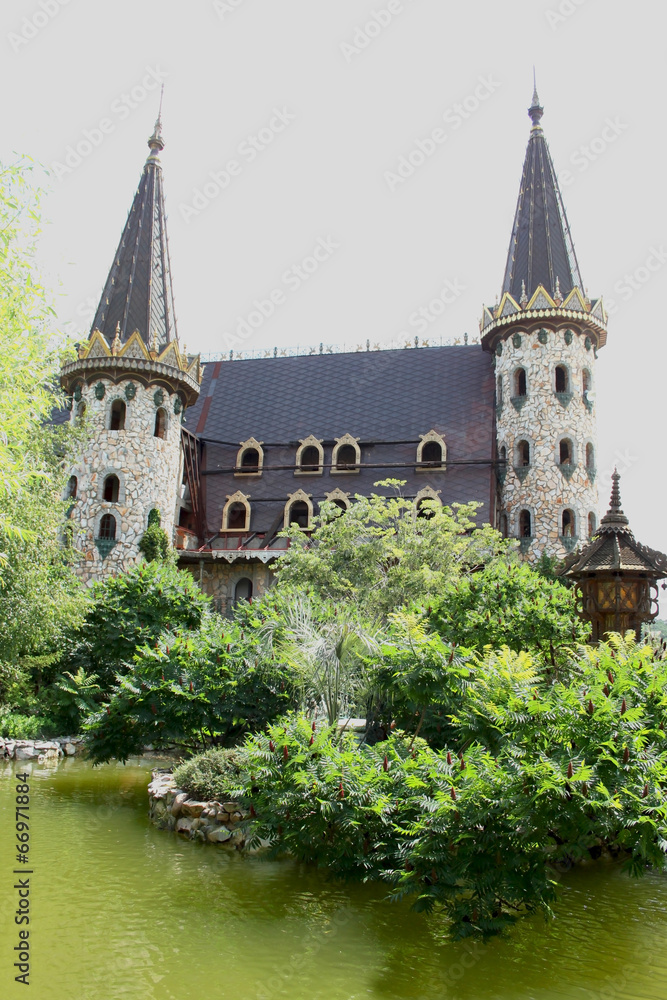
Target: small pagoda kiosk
<point>617,576</point>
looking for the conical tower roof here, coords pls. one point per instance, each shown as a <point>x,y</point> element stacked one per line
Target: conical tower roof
<point>541,251</point>
<point>138,293</point>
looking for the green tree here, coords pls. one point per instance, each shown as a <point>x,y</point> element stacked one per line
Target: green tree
<point>132,610</point>
<point>379,555</point>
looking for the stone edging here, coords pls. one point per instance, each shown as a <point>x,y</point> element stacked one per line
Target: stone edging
<point>40,750</point>
<point>170,808</point>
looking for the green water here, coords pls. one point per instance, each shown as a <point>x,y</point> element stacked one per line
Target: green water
<point>121,910</point>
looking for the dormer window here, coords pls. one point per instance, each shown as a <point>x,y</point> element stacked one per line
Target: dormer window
<point>117,415</point>
<point>310,457</point>
<point>425,501</point>
<point>298,510</point>
<point>236,513</point>
<point>340,499</point>
<point>250,458</point>
<point>431,452</point>
<point>346,455</point>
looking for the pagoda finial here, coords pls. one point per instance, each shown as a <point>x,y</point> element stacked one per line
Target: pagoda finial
<point>614,520</point>
<point>615,501</point>
<point>535,110</point>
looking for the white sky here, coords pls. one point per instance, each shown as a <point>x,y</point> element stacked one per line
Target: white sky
<point>350,116</point>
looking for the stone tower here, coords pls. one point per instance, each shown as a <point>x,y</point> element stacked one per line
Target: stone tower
<point>544,334</point>
<point>130,386</point>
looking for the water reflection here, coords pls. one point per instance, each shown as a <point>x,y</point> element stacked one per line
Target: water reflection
<point>126,911</point>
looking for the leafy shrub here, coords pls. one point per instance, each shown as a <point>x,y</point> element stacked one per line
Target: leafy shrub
<point>194,688</point>
<point>209,776</point>
<point>578,768</point>
<point>154,543</point>
<point>133,609</point>
<point>26,727</point>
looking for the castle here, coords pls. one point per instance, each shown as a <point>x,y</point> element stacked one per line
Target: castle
<point>233,453</point>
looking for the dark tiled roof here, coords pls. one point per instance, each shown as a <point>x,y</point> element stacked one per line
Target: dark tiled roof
<point>386,399</point>
<point>541,247</point>
<point>138,293</point>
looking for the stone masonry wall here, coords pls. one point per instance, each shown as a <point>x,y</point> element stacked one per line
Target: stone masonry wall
<point>543,419</point>
<point>219,579</point>
<point>170,808</point>
<point>148,468</point>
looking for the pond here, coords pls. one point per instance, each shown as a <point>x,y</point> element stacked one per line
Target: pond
<point>122,910</point>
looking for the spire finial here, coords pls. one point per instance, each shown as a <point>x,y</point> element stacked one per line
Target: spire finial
<point>156,142</point>
<point>615,501</point>
<point>535,110</point>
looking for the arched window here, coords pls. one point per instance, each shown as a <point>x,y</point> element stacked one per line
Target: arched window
<point>567,524</point>
<point>107,526</point>
<point>299,514</point>
<point>520,383</point>
<point>72,487</point>
<point>562,380</point>
<point>592,524</point>
<point>346,455</point>
<point>80,413</point>
<point>236,513</point>
<point>585,381</point>
<point>298,510</point>
<point>111,489</point>
<point>310,459</point>
<point>499,390</point>
<point>243,590</point>
<point>523,454</point>
<point>340,499</point>
<point>160,424</point>
<point>432,453</point>
<point>590,457</point>
<point>117,415</point>
<point>424,502</point>
<point>236,517</point>
<point>503,525</point>
<point>525,524</point>
<point>250,458</point>
<point>346,458</point>
<point>565,452</point>
<point>503,453</point>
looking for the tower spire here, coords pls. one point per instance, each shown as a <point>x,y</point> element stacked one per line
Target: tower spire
<point>138,293</point>
<point>541,248</point>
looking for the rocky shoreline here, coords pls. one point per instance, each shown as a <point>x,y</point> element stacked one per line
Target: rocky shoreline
<point>171,808</point>
<point>40,750</point>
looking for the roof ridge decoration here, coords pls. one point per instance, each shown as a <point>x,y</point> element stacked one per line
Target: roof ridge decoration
<point>541,248</point>
<point>138,293</point>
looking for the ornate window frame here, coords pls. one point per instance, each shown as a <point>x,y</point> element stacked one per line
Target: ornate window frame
<point>237,497</point>
<point>427,493</point>
<point>424,439</point>
<point>309,442</point>
<point>338,495</point>
<point>298,497</point>
<point>341,442</point>
<point>245,446</point>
